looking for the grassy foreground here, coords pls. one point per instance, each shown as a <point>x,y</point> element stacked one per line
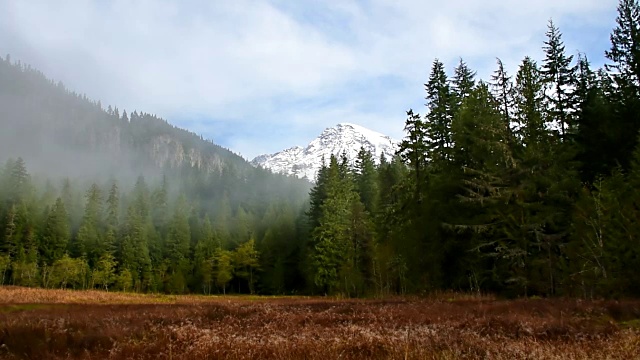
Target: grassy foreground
<point>58,324</point>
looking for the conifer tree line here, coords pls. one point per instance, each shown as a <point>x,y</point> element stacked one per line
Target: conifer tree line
<point>94,198</point>
<point>525,184</point>
<point>144,239</point>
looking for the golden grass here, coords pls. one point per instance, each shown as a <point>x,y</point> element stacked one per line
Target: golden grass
<point>99,325</point>
<point>24,295</point>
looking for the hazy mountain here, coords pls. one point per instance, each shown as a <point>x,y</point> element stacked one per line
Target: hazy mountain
<point>61,134</point>
<point>344,137</point>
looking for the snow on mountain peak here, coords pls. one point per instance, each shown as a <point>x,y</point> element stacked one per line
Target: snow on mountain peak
<point>344,137</point>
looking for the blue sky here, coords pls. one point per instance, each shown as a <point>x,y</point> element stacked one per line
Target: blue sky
<point>261,76</point>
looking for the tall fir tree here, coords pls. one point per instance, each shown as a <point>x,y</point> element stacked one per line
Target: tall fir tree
<point>504,92</point>
<point>365,178</point>
<point>462,83</point>
<point>414,150</point>
<point>439,114</point>
<point>625,71</point>
<point>559,76</point>
<point>56,234</point>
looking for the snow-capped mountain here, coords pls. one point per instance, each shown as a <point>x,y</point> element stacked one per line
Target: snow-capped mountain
<point>344,137</point>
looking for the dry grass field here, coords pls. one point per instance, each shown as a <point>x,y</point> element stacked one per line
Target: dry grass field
<point>58,324</point>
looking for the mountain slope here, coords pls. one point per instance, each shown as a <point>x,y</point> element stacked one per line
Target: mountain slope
<point>89,186</point>
<point>61,134</point>
<point>344,137</point>
<point>56,130</point>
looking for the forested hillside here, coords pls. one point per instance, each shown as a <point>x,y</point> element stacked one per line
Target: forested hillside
<point>95,198</point>
<point>523,184</point>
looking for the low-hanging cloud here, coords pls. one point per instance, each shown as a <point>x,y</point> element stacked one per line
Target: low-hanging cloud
<point>237,70</point>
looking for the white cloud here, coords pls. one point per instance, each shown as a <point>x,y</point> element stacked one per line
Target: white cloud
<point>247,63</point>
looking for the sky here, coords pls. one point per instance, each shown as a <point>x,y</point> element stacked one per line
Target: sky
<point>261,76</point>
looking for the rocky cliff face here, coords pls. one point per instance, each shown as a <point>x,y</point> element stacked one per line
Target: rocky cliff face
<point>167,151</point>
<point>343,138</point>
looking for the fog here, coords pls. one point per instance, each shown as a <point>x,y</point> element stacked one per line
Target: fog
<point>60,134</point>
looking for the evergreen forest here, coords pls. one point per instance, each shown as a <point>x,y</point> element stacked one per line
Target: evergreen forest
<point>523,184</point>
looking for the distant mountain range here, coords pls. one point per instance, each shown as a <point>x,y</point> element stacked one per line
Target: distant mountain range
<point>344,137</point>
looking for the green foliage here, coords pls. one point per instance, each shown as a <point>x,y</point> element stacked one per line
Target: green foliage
<point>503,91</point>
<point>463,83</point>
<point>559,77</point>
<point>124,280</point>
<point>342,243</point>
<point>223,269</point>
<point>56,233</point>
<point>103,274</point>
<point>5,264</point>
<point>524,187</point>
<point>625,45</point>
<point>624,69</point>
<point>365,179</point>
<point>245,260</point>
<point>415,149</point>
<point>440,101</point>
<point>69,272</point>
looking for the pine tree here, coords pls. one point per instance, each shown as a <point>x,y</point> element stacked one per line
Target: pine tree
<point>178,247</point>
<point>480,135</point>
<point>317,196</point>
<point>113,207</point>
<point>484,151</point>
<point>414,150</point>
<point>625,46</point>
<point>280,249</point>
<point>56,234</point>
<point>625,71</point>
<point>88,241</point>
<point>596,131</point>
<point>18,180</point>
<point>331,240</point>
<point>365,178</point>
<point>559,76</point>
<point>363,249</point>
<point>542,188</point>
<point>243,225</point>
<point>134,250</point>
<point>204,252</point>
<point>159,204</point>
<point>504,93</point>
<point>530,103</point>
<point>221,221</point>
<point>463,83</point>
<point>11,238</point>
<point>440,114</point>
<point>112,219</point>
<point>142,202</point>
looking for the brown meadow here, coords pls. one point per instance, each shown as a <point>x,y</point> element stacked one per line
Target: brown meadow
<point>60,324</point>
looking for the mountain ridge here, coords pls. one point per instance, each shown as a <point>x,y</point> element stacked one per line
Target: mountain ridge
<point>62,134</point>
<point>345,137</point>
<point>40,114</point>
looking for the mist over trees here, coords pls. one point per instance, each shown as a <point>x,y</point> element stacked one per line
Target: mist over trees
<point>524,184</point>
<point>99,198</point>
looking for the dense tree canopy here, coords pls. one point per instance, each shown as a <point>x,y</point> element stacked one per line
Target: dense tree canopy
<point>523,185</point>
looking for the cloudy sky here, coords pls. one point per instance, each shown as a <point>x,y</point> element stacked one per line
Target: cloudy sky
<point>261,76</point>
